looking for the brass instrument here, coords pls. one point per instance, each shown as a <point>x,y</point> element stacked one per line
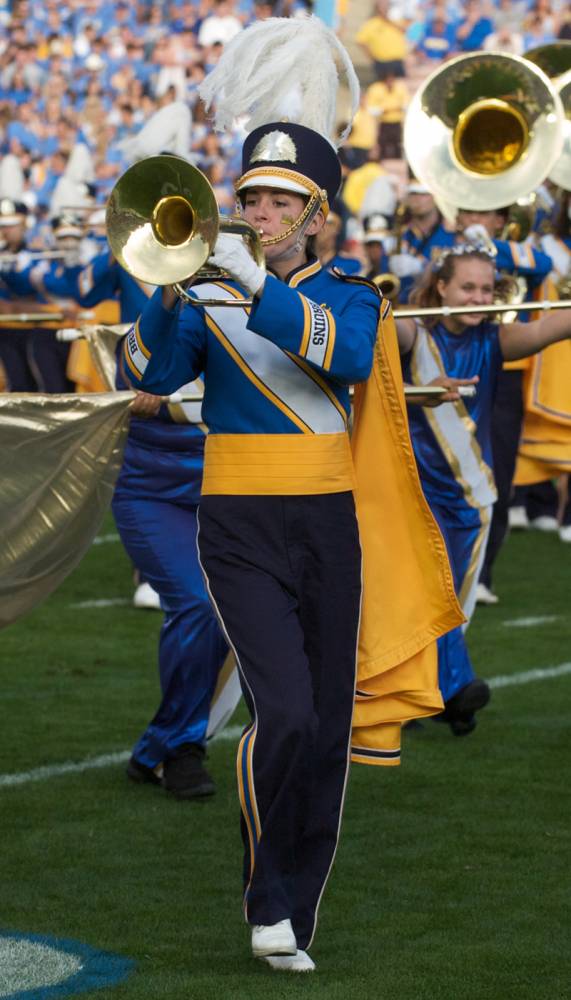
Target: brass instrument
<point>484,129</point>
<point>30,319</point>
<point>555,61</point>
<point>32,255</point>
<point>388,285</point>
<point>163,221</point>
<point>554,58</point>
<point>467,310</point>
<point>560,173</point>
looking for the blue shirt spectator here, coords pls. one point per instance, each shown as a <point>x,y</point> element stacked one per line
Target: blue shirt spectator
<point>439,40</point>
<point>473,29</point>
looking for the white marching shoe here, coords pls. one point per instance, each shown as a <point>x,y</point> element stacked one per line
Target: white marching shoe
<point>517,518</point>
<point>146,597</point>
<point>565,532</point>
<point>544,523</point>
<point>300,962</point>
<point>485,596</point>
<point>273,939</point>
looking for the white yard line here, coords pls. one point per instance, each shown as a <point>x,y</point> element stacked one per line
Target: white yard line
<point>507,680</point>
<point>530,622</point>
<point>105,760</point>
<point>233,732</point>
<point>104,539</point>
<point>103,602</point>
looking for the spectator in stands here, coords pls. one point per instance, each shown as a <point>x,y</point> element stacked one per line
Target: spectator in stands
<point>363,136</point>
<point>504,39</point>
<point>540,26</point>
<point>564,33</point>
<point>384,41</point>
<point>439,38</point>
<point>474,28</point>
<point>358,181</point>
<point>387,100</point>
<point>220,26</point>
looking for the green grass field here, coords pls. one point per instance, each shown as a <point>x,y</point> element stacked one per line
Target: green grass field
<point>452,875</point>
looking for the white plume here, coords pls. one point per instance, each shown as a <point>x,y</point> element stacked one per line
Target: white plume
<point>167,130</point>
<point>282,69</point>
<point>11,178</point>
<point>80,166</point>
<point>71,188</point>
<point>68,193</point>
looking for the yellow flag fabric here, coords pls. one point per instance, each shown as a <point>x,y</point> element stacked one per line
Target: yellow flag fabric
<point>59,458</point>
<point>82,367</point>
<point>408,589</point>
<point>545,445</point>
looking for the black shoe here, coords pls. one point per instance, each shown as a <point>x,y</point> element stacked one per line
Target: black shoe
<point>185,776</point>
<point>468,700</point>
<point>464,726</point>
<point>141,773</point>
<point>459,710</point>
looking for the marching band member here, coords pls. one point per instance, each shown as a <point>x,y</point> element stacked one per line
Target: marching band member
<point>375,235</point>
<point>423,237</point>
<point>545,444</point>
<point>154,506</point>
<point>278,536</point>
<point>326,247</point>
<point>524,262</point>
<point>14,343</point>
<point>453,445</point>
<point>34,359</point>
<point>158,486</point>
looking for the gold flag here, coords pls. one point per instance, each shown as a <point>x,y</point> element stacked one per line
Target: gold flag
<point>60,456</point>
<point>408,589</point>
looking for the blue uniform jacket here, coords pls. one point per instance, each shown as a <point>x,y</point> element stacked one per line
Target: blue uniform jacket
<point>324,325</point>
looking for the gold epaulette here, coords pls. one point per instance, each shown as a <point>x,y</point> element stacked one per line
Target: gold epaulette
<point>355,279</point>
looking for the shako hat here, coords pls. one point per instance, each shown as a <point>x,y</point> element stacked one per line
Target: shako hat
<point>280,77</point>
<point>12,212</point>
<point>290,157</point>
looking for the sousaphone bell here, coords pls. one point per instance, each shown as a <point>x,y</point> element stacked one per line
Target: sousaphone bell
<point>555,61</point>
<point>162,224</point>
<point>483,130</point>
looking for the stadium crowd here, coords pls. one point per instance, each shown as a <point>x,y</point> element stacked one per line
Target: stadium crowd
<point>92,73</point>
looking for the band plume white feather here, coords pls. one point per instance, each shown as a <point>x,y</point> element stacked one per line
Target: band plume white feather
<point>282,69</point>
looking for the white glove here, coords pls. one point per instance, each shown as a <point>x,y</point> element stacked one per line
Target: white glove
<point>476,233</point>
<point>231,255</point>
<point>404,265</point>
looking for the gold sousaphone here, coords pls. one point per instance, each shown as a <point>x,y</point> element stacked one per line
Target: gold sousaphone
<point>483,130</point>
<point>555,61</point>
<point>162,224</point>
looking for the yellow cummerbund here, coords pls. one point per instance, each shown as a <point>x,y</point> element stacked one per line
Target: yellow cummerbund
<point>274,464</point>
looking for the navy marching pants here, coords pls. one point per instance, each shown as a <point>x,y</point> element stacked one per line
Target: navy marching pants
<point>507,419</point>
<point>284,573</point>
<point>160,538</point>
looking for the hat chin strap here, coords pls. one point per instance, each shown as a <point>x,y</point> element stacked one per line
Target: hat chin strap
<point>301,225</point>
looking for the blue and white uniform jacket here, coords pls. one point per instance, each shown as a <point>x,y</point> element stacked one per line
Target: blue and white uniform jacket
<point>277,376</point>
<point>46,281</point>
<point>164,455</point>
<point>452,444</point>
